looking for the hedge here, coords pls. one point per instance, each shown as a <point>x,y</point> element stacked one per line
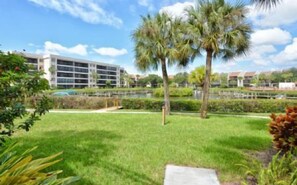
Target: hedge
<point>222,106</point>
<point>174,92</point>
<point>76,102</point>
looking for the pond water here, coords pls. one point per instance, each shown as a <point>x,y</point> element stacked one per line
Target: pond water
<point>196,95</point>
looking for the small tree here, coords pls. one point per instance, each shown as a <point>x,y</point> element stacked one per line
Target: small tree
<point>95,76</point>
<point>287,76</point>
<point>16,83</point>
<point>181,79</point>
<point>107,83</point>
<point>197,76</point>
<point>223,80</point>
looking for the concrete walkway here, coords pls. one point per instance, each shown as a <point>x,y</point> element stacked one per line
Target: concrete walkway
<point>112,110</point>
<point>181,175</point>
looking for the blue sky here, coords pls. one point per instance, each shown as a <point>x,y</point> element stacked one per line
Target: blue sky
<point>101,30</point>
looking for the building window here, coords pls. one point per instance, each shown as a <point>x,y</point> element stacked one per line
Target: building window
<point>63,68</point>
<point>81,70</point>
<point>59,74</point>
<point>81,64</point>
<point>64,62</point>
<point>65,80</point>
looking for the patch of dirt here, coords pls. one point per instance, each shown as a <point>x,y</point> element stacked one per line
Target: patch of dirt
<point>265,156</point>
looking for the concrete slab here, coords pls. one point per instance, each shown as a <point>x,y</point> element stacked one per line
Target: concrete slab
<point>180,175</point>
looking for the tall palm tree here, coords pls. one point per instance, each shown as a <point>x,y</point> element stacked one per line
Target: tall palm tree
<point>160,41</point>
<point>220,29</point>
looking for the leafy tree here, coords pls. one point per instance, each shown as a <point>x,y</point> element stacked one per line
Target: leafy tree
<point>160,41</point>
<point>265,78</point>
<point>221,30</point>
<point>154,80</point>
<point>16,83</point>
<point>142,82</point>
<point>181,78</point>
<point>276,77</point>
<point>107,83</point>
<point>287,76</point>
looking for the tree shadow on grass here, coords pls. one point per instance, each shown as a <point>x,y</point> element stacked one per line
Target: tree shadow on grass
<point>231,152</point>
<point>133,176</point>
<point>82,149</point>
<point>245,142</point>
<point>257,124</point>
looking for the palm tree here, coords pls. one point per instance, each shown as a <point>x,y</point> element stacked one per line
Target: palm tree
<point>160,41</point>
<point>266,3</point>
<point>219,29</point>
<point>197,76</point>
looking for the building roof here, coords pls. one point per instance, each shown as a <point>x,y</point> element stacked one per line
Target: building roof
<point>234,74</point>
<point>266,72</point>
<point>250,74</point>
<point>170,76</point>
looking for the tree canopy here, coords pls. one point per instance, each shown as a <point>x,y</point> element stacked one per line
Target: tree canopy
<point>17,82</point>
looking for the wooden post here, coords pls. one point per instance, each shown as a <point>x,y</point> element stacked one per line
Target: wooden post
<point>163,115</point>
<point>106,104</point>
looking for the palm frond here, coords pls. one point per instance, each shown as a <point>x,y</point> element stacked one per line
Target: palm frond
<point>266,3</point>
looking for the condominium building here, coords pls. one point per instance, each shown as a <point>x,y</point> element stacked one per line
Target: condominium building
<point>66,72</point>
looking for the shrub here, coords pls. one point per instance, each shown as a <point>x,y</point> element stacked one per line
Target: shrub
<point>219,106</point>
<point>16,83</point>
<point>283,128</point>
<point>76,102</point>
<point>23,169</point>
<point>174,92</point>
<point>281,170</point>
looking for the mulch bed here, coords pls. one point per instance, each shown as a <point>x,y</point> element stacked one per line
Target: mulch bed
<point>264,157</point>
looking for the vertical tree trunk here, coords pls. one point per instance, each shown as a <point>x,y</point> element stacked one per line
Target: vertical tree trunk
<point>166,86</point>
<point>203,110</point>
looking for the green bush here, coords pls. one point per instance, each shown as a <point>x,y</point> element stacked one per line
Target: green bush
<point>283,128</point>
<point>223,106</point>
<point>16,83</point>
<point>281,170</point>
<point>76,102</point>
<point>23,169</point>
<point>174,92</point>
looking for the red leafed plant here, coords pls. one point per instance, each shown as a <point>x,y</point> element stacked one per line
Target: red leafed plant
<point>283,128</point>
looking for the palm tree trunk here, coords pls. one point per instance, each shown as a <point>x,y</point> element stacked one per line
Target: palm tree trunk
<point>203,111</point>
<point>166,87</point>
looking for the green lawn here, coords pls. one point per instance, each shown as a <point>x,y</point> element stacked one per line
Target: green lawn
<point>135,148</point>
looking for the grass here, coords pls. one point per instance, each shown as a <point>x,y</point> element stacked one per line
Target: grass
<point>135,148</point>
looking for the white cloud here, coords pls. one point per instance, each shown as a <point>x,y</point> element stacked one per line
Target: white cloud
<point>288,55</point>
<point>271,36</point>
<point>282,14</point>
<point>258,55</point>
<point>55,48</point>
<point>147,3</point>
<point>177,9</point>
<point>88,11</point>
<point>33,45</point>
<point>112,52</point>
